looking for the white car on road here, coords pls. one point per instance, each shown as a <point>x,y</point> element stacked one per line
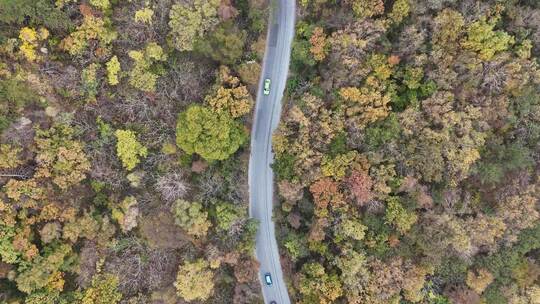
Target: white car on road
<point>266,88</point>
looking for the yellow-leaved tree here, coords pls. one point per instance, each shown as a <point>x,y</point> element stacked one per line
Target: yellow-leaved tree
<point>189,22</point>
<point>129,149</point>
<point>232,96</point>
<point>195,281</point>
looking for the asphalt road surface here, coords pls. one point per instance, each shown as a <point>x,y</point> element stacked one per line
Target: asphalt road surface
<point>267,113</point>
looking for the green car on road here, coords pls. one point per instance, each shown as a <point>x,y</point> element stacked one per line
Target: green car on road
<point>266,89</point>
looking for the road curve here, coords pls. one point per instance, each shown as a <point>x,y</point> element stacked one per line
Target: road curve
<point>267,112</point>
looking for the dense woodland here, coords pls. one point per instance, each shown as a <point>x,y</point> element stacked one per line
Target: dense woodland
<point>124,149</point>
<point>407,158</point>
<point>408,153</point>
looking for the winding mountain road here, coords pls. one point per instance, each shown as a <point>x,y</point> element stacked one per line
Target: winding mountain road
<point>261,178</point>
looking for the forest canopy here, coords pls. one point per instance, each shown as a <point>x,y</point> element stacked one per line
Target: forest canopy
<point>407,157</point>
<point>123,155</point>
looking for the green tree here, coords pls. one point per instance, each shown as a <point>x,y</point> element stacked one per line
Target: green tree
<point>525,112</point>
<point>235,101</point>
<point>90,82</point>
<point>499,159</point>
<point>60,157</point>
<point>125,213</point>
<point>40,12</point>
<point>247,239</point>
<point>8,253</point>
<point>227,215</point>
<point>317,286</point>
<point>483,39</point>
<point>92,29</point>
<point>296,246</point>
<point>448,25</point>
<point>301,55</point>
<point>398,216</point>
<point>225,44</point>
<point>400,10</point>
<point>129,149</point>
<point>43,269</point>
<point>9,156</point>
<point>43,297</point>
<point>113,68</point>
<point>382,132</point>
<point>502,263</point>
<point>142,76</point>
<point>283,166</point>
<point>191,217</point>
<point>104,290</point>
<point>14,95</point>
<point>350,228</point>
<point>195,281</point>
<point>337,167</point>
<point>366,8</point>
<point>213,135</point>
<point>191,22</point>
<point>354,269</point>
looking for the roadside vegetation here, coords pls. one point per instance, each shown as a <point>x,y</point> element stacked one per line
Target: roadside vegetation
<point>407,158</point>
<point>124,132</point>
